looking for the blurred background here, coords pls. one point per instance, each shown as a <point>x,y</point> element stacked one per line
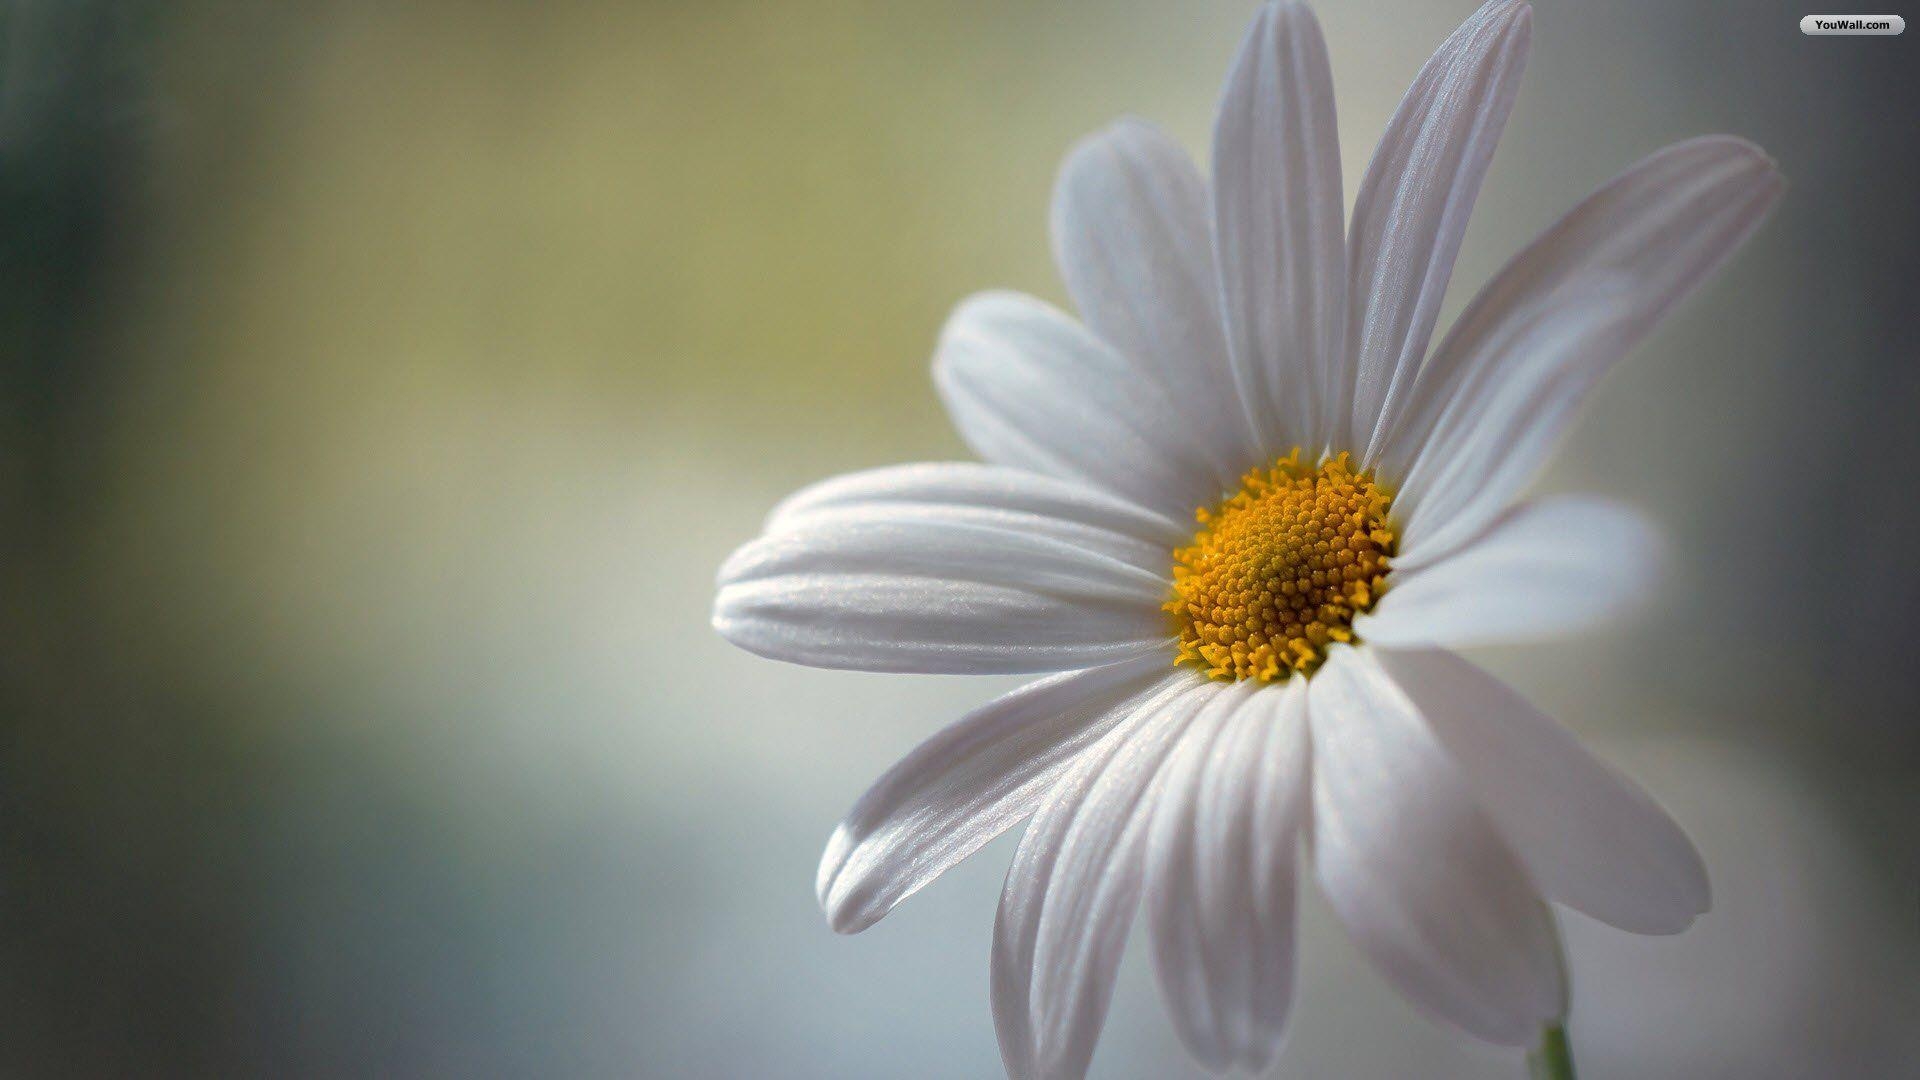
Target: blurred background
<point>382,384</point>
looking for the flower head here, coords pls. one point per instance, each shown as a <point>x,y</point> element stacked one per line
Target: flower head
<point>1280,568</point>
<point>1243,511</point>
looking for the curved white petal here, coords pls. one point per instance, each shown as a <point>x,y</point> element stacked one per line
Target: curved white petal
<point>1546,567</point>
<point>1278,230</point>
<point>1423,881</point>
<point>1221,872</point>
<point>1130,235</point>
<point>1002,510</point>
<point>1028,386</point>
<point>1412,208</point>
<point>1191,962</point>
<point>1590,838</point>
<point>1503,386</point>
<point>968,484</point>
<point>1073,887</point>
<point>966,785</point>
<point>917,589</point>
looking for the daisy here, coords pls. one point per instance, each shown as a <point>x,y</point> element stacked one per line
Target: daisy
<point>1242,513</point>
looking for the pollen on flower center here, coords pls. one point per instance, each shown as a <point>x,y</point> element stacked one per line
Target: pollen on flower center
<point>1280,568</point>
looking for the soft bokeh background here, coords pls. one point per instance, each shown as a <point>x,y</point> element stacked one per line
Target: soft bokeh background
<point>383,383</point>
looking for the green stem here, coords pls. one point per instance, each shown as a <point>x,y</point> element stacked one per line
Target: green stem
<point>1552,1059</point>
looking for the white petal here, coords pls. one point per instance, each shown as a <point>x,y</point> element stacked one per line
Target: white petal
<point>987,487</point>
<point>1504,385</point>
<point>1412,208</point>
<point>968,784</point>
<point>1073,887</point>
<point>1546,567</point>
<point>1029,387</point>
<point>1221,872</point>
<point>1589,836</point>
<point>1130,235</point>
<point>1424,883</point>
<point>1188,959</point>
<point>1013,501</point>
<point>917,590</point>
<point>1278,227</point>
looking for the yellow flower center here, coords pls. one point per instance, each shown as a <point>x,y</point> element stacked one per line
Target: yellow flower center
<point>1280,568</point>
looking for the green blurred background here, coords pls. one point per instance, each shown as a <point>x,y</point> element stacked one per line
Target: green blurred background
<point>384,382</point>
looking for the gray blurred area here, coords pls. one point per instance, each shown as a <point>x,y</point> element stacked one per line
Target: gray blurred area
<point>382,384</point>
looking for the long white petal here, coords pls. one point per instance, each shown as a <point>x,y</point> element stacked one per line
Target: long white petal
<point>1494,400</point>
<point>968,484</point>
<point>1546,567</point>
<point>1423,881</point>
<point>1589,836</point>
<point>1073,888</point>
<point>1189,959</point>
<point>1278,230</point>
<point>968,784</point>
<point>1047,522</point>
<point>1412,208</point>
<point>1028,386</point>
<point>1130,234</point>
<point>1221,872</point>
<point>917,589</point>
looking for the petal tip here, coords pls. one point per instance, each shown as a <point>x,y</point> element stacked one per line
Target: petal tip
<point>1765,166</point>
<point>848,906</point>
<point>1291,17</point>
<point>848,922</point>
<point>721,618</point>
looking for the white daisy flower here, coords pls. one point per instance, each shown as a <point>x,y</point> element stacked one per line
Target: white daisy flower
<point>1272,683</point>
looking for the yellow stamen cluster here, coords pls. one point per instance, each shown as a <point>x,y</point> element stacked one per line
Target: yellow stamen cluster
<point>1280,568</point>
